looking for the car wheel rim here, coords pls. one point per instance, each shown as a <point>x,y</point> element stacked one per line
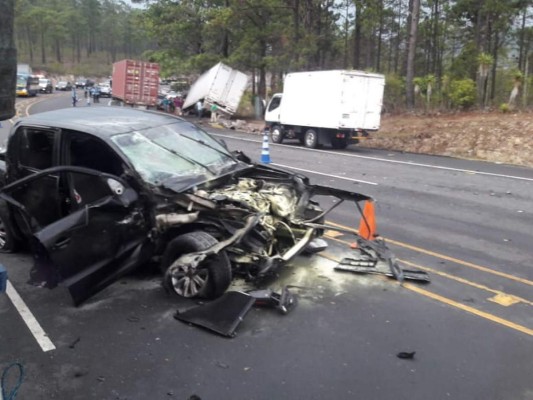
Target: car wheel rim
<point>188,281</point>
<point>310,139</point>
<point>3,235</point>
<point>275,135</point>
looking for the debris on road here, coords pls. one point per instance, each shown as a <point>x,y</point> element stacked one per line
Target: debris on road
<point>374,257</point>
<point>74,343</point>
<point>406,355</point>
<point>224,314</point>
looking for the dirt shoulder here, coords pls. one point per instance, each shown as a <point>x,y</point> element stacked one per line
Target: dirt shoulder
<point>495,137</point>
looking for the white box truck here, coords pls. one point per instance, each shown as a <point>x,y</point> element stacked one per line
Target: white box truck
<point>334,108</point>
<point>221,85</point>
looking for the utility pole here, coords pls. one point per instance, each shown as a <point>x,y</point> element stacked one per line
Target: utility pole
<point>8,60</point>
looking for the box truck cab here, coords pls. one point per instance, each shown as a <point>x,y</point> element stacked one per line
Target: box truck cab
<point>334,108</point>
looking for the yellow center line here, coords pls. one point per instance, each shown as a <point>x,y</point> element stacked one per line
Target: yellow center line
<point>469,309</point>
<point>447,258</point>
<point>467,282</point>
<point>456,304</point>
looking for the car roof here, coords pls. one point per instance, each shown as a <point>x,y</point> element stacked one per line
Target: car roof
<point>100,121</point>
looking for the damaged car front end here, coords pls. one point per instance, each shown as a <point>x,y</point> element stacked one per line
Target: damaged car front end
<point>126,187</point>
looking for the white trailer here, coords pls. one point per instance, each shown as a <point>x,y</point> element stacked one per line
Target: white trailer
<point>221,85</point>
<point>333,108</point>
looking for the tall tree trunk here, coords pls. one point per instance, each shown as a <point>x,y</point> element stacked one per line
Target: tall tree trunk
<point>261,87</point>
<point>78,48</point>
<point>346,31</point>
<point>58,50</point>
<point>30,43</point>
<point>398,39</point>
<point>521,40</point>
<point>410,69</point>
<point>357,37</point>
<point>435,39</point>
<point>296,30</point>
<point>494,65</point>
<point>380,34</point>
<point>8,64</point>
<point>43,50</point>
<point>225,38</point>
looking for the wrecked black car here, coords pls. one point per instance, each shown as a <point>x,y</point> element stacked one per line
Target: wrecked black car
<point>100,191</point>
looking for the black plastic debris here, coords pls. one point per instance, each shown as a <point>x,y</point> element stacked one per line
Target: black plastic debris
<point>222,315</point>
<point>374,257</point>
<point>406,355</point>
<point>284,302</point>
<point>74,343</point>
<point>363,267</point>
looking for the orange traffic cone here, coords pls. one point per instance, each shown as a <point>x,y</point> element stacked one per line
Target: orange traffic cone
<point>367,225</point>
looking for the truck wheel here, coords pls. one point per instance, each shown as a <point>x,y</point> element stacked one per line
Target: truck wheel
<point>209,280</point>
<point>311,139</point>
<point>7,239</point>
<point>338,143</point>
<point>277,134</point>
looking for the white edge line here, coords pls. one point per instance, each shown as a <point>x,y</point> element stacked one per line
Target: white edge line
<point>320,173</point>
<point>32,324</point>
<point>468,171</point>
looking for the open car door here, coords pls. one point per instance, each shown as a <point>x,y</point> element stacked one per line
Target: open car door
<point>98,236</point>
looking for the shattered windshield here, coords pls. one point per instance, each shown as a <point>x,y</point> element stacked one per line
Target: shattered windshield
<point>174,154</point>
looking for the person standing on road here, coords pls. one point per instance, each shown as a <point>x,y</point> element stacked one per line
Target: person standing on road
<point>178,104</point>
<point>200,109</point>
<point>74,97</point>
<point>166,102</point>
<point>214,115</point>
<point>96,94</point>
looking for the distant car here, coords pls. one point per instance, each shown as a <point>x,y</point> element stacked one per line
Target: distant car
<point>64,85</point>
<point>45,86</point>
<point>80,83</point>
<point>105,90</point>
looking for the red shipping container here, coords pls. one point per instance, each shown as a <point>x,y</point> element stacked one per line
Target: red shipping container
<point>136,82</point>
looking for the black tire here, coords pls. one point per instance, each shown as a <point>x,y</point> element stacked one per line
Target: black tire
<point>7,239</point>
<point>338,143</point>
<point>311,138</point>
<point>276,135</point>
<point>209,280</point>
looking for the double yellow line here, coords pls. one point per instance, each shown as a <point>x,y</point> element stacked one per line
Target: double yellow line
<point>507,298</point>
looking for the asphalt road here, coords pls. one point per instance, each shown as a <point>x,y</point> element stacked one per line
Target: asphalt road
<point>469,224</point>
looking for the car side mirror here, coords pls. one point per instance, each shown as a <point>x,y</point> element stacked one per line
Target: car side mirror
<point>239,155</point>
<point>124,194</point>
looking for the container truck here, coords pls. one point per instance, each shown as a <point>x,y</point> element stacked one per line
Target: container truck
<point>221,85</point>
<point>335,108</point>
<point>135,83</point>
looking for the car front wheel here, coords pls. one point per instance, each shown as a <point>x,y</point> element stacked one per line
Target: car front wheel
<point>7,239</point>
<point>209,279</point>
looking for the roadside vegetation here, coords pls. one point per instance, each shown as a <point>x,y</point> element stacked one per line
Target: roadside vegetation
<point>437,55</point>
